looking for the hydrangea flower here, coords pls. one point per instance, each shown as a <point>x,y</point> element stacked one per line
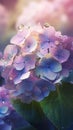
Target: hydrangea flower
<point>37,60</point>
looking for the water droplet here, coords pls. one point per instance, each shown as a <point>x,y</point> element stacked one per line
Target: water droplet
<point>46,25</point>
<point>20,28</point>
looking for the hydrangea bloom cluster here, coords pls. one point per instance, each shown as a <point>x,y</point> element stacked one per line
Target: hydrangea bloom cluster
<point>36,60</point>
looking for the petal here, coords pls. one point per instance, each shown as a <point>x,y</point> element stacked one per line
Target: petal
<point>18,62</point>
<point>10,85</point>
<point>51,64</point>
<point>17,80</point>
<point>45,87</point>
<point>29,83</point>
<point>45,73</point>
<point>29,61</point>
<point>60,54</point>
<point>15,93</point>
<point>25,75</point>
<point>19,66</point>
<point>13,74</point>
<point>30,45</point>
<point>69,63</point>
<point>10,51</point>
<point>19,59</point>
<point>25,85</point>
<point>37,94</point>
<point>55,66</point>
<point>3,109</point>
<point>50,31</point>
<point>45,91</point>
<point>44,38</point>
<point>19,38</point>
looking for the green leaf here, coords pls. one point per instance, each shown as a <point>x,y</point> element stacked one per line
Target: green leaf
<point>34,115</point>
<point>58,106</point>
<point>31,112</point>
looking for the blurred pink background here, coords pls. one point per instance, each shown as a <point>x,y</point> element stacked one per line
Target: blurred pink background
<point>13,13</point>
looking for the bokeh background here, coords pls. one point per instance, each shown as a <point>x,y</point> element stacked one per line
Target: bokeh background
<point>58,13</point>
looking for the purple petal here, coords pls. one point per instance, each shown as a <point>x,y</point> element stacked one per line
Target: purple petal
<point>60,54</point>
<point>30,45</point>
<point>19,66</point>
<point>10,51</point>
<point>29,61</point>
<point>19,38</point>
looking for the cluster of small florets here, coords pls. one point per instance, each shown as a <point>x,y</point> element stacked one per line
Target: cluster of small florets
<point>36,60</point>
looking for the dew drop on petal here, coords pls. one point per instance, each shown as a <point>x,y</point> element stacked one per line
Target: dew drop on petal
<point>46,25</point>
<point>21,27</point>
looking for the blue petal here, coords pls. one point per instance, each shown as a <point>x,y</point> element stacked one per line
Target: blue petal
<point>44,72</point>
<point>52,64</point>
<point>45,87</point>
<point>3,109</point>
